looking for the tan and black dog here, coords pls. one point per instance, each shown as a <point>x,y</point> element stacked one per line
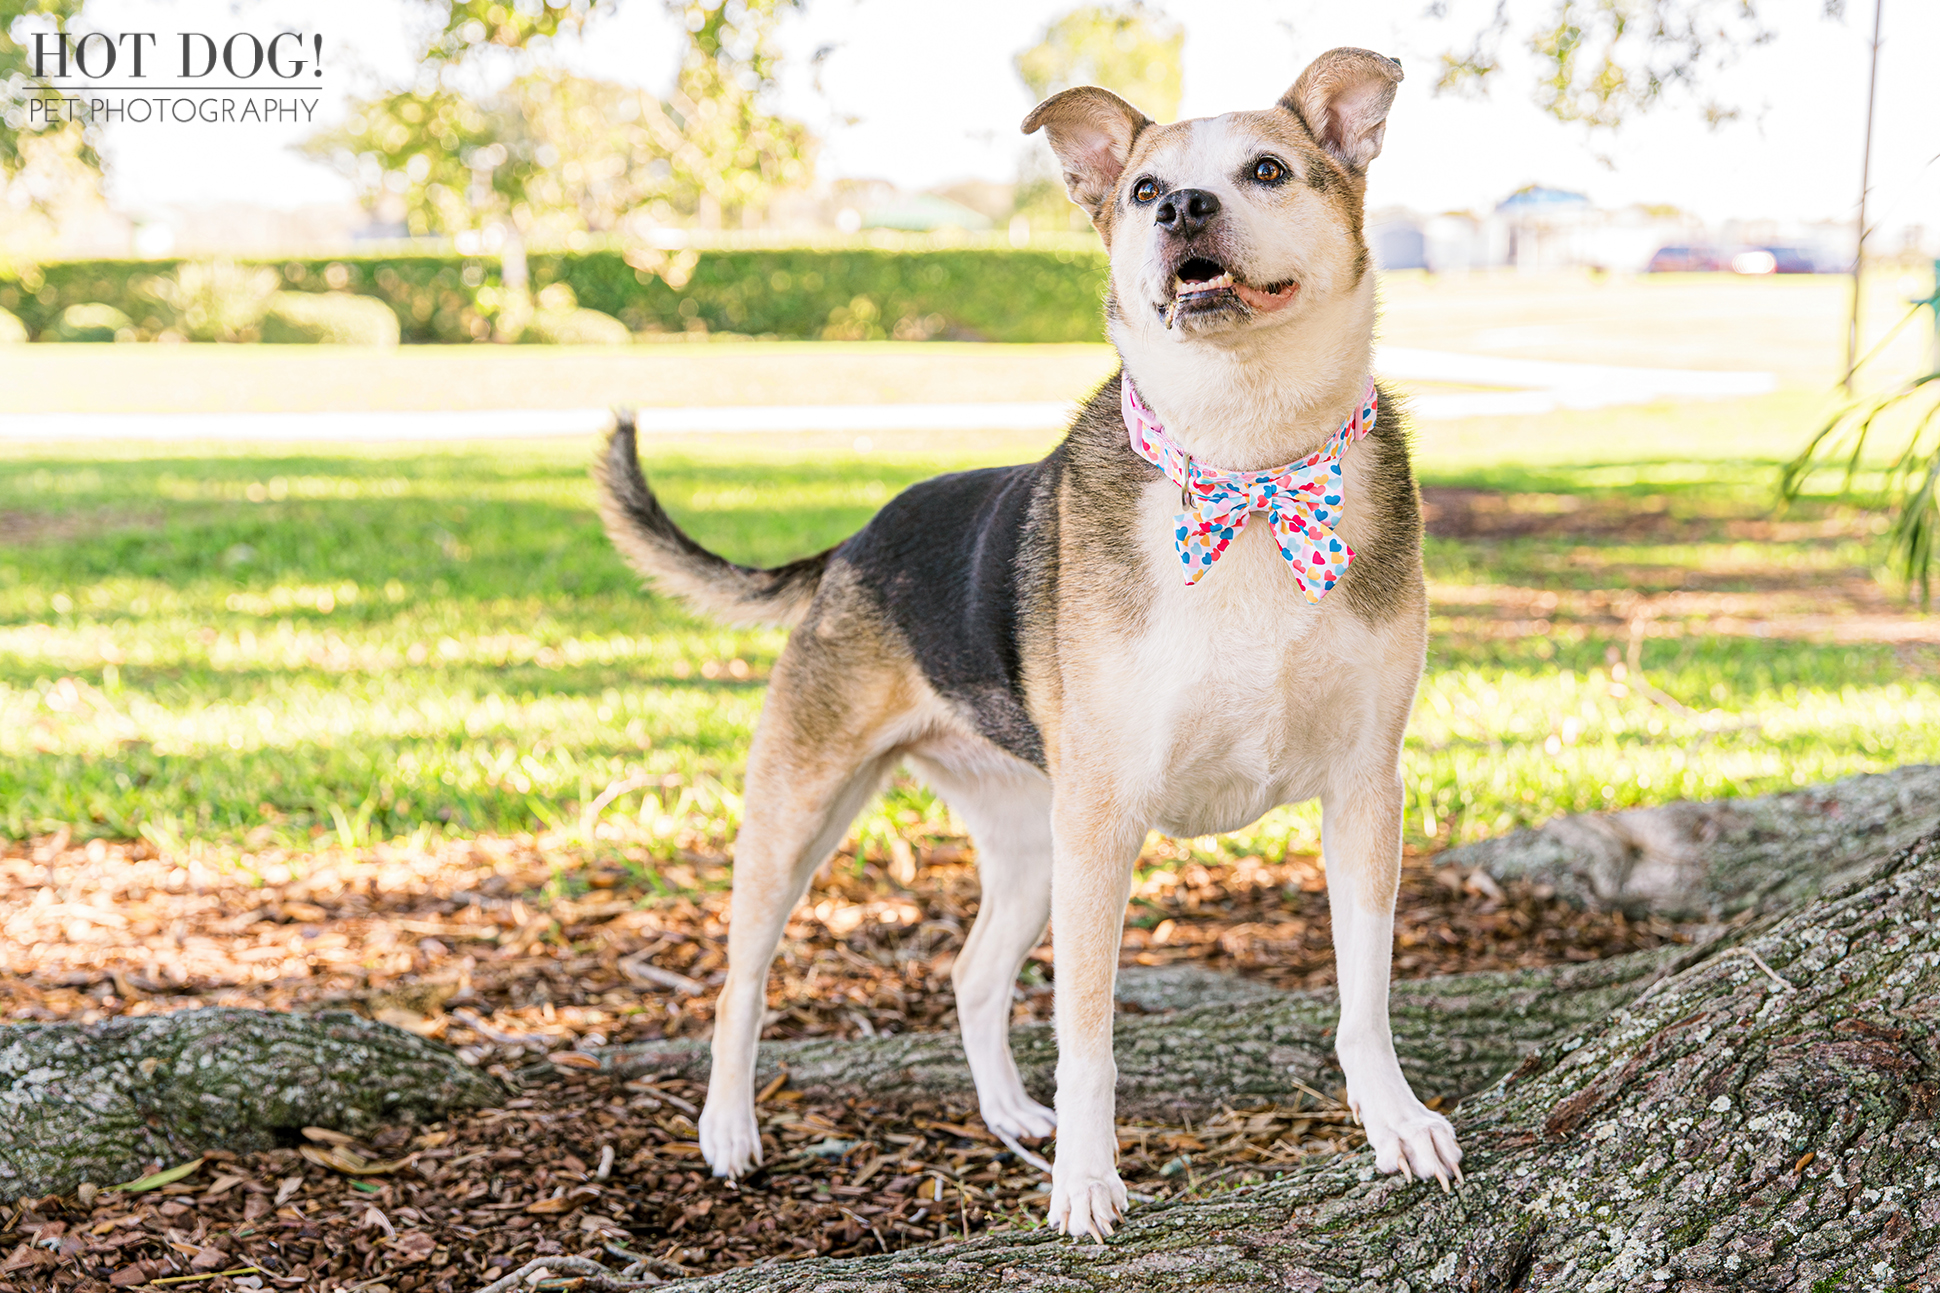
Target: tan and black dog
<point>1022,638</point>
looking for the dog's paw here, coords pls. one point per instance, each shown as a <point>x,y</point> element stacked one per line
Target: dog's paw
<point>730,1139</point>
<point>1018,1116</point>
<point>1086,1203</point>
<point>1412,1139</point>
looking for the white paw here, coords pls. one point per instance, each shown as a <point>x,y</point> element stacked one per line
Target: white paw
<point>1016,1115</point>
<point>1410,1138</point>
<point>730,1137</point>
<point>1086,1203</point>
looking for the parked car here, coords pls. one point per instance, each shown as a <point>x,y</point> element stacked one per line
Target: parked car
<point>1685,260</point>
<point>1775,260</point>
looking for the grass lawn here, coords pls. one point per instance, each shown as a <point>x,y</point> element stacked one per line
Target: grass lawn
<point>255,647</point>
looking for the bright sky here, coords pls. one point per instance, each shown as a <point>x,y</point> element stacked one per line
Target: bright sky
<point>922,92</point>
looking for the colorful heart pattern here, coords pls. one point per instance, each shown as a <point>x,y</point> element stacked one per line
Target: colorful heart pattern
<point>1301,501</point>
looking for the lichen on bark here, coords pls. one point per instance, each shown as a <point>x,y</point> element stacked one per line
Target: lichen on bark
<point>107,1102</point>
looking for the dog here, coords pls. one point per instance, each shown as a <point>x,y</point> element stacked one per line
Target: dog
<point>1123,636</point>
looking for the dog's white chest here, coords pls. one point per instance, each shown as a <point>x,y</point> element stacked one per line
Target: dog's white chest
<point>1240,692</point>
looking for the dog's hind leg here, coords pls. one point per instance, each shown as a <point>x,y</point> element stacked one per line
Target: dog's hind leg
<point>1009,815</point>
<point>807,779</point>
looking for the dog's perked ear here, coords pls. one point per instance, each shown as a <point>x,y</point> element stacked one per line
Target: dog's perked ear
<point>1344,97</point>
<point>1091,130</point>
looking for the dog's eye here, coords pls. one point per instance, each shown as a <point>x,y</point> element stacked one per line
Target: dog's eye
<point>1144,191</point>
<point>1269,170</point>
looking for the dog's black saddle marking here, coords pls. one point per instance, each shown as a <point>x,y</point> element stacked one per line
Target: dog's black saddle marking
<point>941,558</point>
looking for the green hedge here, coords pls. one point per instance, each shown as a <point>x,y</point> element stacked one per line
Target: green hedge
<point>39,294</point>
<point>435,298</point>
<point>574,328</point>
<point>329,318</point>
<point>848,294</point>
<point>93,322</point>
<point>861,293</point>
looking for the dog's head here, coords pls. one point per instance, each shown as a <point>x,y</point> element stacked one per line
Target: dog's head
<point>1222,226</point>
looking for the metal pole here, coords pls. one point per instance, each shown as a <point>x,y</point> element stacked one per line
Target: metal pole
<point>1865,183</point>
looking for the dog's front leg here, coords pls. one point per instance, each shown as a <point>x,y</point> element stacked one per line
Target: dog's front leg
<point>1093,852</point>
<point>1361,841</point>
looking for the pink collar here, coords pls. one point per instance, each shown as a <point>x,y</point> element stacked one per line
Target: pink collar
<point>1302,500</point>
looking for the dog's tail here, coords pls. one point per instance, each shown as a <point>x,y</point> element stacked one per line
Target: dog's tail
<point>660,550</point>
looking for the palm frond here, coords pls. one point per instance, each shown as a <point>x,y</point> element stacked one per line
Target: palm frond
<point>1909,490</point>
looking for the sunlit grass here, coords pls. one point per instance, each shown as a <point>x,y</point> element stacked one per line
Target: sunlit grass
<point>346,645</point>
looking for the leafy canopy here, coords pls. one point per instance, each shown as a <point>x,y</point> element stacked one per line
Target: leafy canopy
<point>1602,62</point>
<point>1127,48</point>
<point>557,153</point>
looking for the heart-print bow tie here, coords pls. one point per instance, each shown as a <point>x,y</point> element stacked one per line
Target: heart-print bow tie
<point>1302,501</point>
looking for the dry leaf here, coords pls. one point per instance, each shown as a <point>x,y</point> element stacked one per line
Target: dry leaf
<point>547,1207</point>
<point>414,1245</point>
<point>413,1022</point>
<point>350,1162</point>
<point>290,1185</point>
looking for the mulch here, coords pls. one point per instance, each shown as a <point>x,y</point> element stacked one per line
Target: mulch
<point>513,949</point>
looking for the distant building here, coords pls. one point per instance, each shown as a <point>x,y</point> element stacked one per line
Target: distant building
<point>1539,229</point>
<point>1395,240</point>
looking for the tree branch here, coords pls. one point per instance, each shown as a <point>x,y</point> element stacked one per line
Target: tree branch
<point>104,1102</point>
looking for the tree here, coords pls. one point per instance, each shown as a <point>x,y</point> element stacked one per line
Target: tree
<point>554,153</point>
<point>1128,49</point>
<point>549,153</point>
<point>20,20</point>
<point>1601,62</point>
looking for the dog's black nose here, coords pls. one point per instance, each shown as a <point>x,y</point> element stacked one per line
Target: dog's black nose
<point>1187,211</point>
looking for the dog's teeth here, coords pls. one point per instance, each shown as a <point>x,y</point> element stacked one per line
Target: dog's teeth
<point>1182,287</point>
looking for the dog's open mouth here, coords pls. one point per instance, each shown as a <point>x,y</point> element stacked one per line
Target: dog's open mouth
<point>1202,283</point>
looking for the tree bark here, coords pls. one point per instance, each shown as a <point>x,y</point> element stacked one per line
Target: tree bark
<point>1763,1120</point>
<point>1455,1035</point>
<point>107,1102</point>
<point>1720,858</point>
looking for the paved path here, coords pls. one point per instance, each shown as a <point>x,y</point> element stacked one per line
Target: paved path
<point>1523,386</point>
